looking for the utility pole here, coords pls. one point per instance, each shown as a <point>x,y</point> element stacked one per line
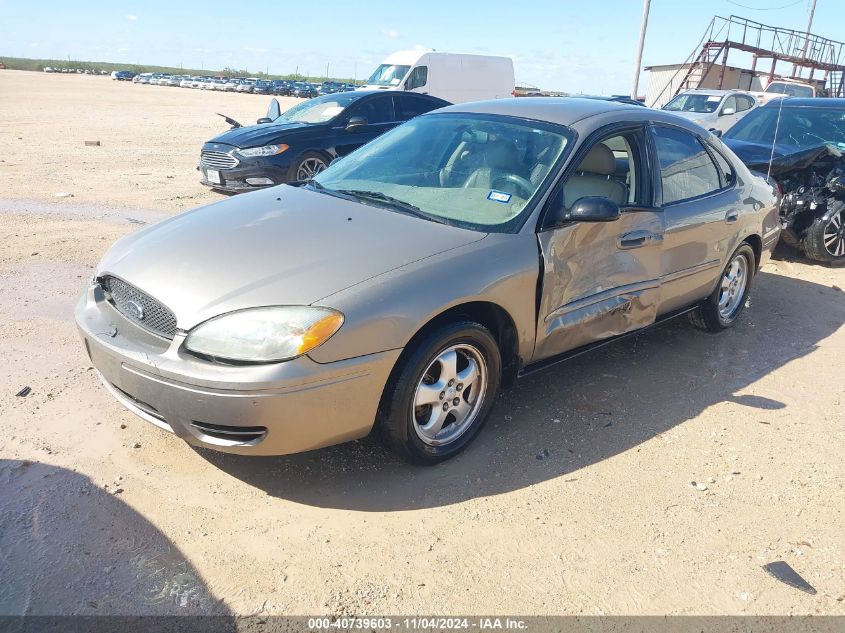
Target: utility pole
<point>643,26</point>
<point>327,71</point>
<point>795,69</point>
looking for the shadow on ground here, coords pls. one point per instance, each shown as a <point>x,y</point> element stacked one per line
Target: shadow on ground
<point>575,414</point>
<point>68,548</point>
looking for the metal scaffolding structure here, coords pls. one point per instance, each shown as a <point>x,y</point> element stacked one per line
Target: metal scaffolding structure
<point>807,52</point>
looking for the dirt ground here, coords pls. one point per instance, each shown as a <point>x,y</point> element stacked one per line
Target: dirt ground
<point>577,498</point>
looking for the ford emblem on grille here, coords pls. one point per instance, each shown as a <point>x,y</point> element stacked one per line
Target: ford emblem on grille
<point>135,310</point>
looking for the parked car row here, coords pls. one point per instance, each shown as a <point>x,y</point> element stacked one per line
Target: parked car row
<point>280,87</point>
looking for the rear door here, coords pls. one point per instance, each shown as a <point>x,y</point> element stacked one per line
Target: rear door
<point>602,279</point>
<point>701,208</point>
<point>408,106</point>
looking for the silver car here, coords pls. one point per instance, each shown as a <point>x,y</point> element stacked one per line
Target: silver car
<point>712,109</point>
<point>401,288</point>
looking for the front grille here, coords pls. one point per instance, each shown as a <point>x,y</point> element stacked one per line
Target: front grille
<point>139,307</point>
<point>217,160</point>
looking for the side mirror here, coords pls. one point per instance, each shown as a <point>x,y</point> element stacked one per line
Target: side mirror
<point>715,132</point>
<point>587,209</point>
<point>728,111</point>
<point>264,119</point>
<point>594,209</point>
<point>356,123</point>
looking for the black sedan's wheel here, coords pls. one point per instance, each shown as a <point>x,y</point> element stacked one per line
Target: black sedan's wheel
<point>726,303</point>
<point>308,165</point>
<point>439,397</point>
<point>824,240</point>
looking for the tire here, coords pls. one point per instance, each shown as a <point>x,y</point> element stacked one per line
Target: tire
<point>418,377</point>
<point>726,303</point>
<point>824,240</point>
<point>308,163</point>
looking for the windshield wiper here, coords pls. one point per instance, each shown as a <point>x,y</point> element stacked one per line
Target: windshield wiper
<point>396,203</point>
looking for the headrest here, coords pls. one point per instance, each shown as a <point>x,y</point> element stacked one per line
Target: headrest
<point>499,154</point>
<point>600,160</point>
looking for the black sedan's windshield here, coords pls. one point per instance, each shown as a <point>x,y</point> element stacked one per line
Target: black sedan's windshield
<point>318,110</point>
<point>799,126</point>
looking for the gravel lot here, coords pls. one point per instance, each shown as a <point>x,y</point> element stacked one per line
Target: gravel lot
<point>655,476</point>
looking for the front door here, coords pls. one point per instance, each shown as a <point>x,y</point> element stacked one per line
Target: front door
<point>602,279</point>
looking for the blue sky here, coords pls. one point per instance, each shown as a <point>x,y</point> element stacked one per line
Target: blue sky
<point>577,46</point>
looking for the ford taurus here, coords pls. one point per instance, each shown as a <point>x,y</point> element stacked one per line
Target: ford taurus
<point>400,289</point>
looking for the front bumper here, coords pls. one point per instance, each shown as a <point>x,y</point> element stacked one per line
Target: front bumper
<point>235,180</point>
<point>271,409</point>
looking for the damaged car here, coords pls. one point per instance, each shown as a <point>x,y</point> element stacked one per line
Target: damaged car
<point>799,143</point>
<point>400,289</point>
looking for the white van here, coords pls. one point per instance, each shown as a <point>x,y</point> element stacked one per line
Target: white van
<point>451,76</point>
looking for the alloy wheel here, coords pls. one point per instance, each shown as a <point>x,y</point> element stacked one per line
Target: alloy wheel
<point>834,235</point>
<point>732,290</point>
<point>309,168</point>
<point>449,395</point>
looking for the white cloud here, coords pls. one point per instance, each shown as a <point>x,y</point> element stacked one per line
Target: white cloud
<point>252,49</point>
<point>131,18</point>
<point>392,34</point>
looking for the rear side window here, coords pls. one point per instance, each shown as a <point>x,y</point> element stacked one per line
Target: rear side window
<point>726,171</point>
<point>417,78</point>
<point>686,169</point>
<point>408,106</point>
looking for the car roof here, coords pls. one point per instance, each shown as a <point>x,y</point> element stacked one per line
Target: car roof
<point>807,102</point>
<point>561,110</point>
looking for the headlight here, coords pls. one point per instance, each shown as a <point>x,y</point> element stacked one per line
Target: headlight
<point>266,150</point>
<point>264,335</point>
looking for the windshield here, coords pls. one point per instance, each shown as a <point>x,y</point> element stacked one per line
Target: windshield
<point>388,75</point>
<point>792,90</point>
<point>319,109</point>
<point>476,171</point>
<point>703,104</point>
<point>801,127</point>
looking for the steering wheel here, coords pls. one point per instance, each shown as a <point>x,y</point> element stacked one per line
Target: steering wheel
<point>521,183</point>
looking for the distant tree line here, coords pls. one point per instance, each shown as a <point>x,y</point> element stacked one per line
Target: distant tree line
<point>24,63</point>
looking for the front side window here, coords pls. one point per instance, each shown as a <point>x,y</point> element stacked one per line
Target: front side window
<point>608,170</point>
<point>375,110</point>
<point>418,78</point>
<point>475,171</point>
<point>388,75</point>
<point>686,169</point>
<point>730,104</point>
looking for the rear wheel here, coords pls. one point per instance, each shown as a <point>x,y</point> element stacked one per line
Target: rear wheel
<point>726,303</point>
<point>824,240</point>
<point>441,394</point>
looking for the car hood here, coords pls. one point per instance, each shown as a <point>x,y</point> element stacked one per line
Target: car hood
<point>278,246</point>
<point>757,155</point>
<point>257,135</point>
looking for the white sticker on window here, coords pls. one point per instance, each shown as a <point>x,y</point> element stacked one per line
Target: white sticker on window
<point>714,98</point>
<point>332,111</point>
<point>499,196</point>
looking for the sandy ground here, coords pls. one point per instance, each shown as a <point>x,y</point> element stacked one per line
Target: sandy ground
<point>102,513</point>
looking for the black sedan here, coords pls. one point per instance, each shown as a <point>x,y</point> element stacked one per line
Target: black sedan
<point>303,90</point>
<point>304,140</point>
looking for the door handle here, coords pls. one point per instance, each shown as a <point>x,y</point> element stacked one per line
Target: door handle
<point>732,216</point>
<point>637,239</point>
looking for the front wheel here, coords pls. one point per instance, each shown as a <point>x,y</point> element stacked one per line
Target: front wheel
<point>307,166</point>
<point>824,240</point>
<point>441,393</point>
<point>726,303</point>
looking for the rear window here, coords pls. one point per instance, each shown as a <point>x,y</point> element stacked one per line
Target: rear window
<point>686,169</point>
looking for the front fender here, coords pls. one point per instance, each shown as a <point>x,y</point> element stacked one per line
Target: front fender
<point>385,312</point>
